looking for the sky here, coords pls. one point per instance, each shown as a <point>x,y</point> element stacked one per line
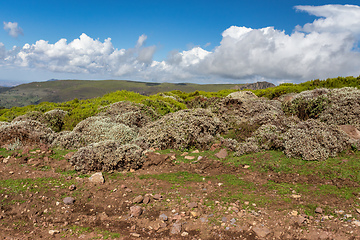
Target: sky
<point>213,41</point>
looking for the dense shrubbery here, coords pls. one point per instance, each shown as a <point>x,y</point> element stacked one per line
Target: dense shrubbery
<point>183,129</point>
<point>112,131</point>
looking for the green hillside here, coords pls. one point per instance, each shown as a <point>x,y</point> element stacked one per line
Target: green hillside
<point>66,90</point>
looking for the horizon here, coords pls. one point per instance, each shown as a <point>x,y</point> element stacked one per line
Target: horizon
<point>205,42</point>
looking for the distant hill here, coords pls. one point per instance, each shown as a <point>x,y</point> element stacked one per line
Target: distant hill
<point>66,90</point>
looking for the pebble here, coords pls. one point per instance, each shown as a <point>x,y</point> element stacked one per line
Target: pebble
<point>184,234</point>
<point>192,205</point>
<point>163,217</point>
<point>53,232</point>
<point>157,196</point>
<point>72,187</point>
<point>135,211</point>
<point>138,199</point>
<point>135,235</point>
<point>69,200</point>
<point>97,178</point>
<point>146,199</point>
<point>189,157</point>
<point>195,214</point>
<point>296,196</point>
<point>294,213</point>
<point>261,231</point>
<point>319,210</point>
<point>222,154</point>
<point>175,229</point>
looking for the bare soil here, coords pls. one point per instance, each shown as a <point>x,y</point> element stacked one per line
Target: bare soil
<point>35,183</point>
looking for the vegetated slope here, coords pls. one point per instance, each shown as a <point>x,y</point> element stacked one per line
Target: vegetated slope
<point>212,165</point>
<point>66,90</point>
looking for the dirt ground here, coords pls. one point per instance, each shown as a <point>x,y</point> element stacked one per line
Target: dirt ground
<point>184,201</point>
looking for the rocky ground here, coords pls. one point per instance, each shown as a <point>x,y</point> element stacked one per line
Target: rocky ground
<point>175,195</point>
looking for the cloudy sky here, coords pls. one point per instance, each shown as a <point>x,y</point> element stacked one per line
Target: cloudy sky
<point>197,41</point>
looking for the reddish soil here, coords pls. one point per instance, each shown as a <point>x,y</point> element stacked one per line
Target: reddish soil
<point>32,208</point>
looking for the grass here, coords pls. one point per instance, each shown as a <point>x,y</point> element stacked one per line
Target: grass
<point>174,178</point>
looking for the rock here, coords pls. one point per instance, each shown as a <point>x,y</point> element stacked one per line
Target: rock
<point>53,232</point>
<point>184,234</point>
<point>146,199</point>
<point>351,131</point>
<point>195,214</point>
<point>221,154</point>
<point>224,219</point>
<point>358,210</point>
<point>295,196</point>
<point>261,231</point>
<point>69,200</point>
<point>301,220</point>
<point>189,157</point>
<point>319,210</point>
<point>72,187</point>
<point>138,199</point>
<point>135,211</point>
<point>175,229</point>
<point>97,178</point>
<point>192,205</point>
<point>157,196</point>
<point>163,217</point>
<point>294,213</point>
<point>195,151</point>
<point>135,235</point>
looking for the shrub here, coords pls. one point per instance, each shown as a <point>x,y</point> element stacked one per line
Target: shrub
<point>107,156</point>
<point>55,119</point>
<point>343,107</point>
<point>314,140</point>
<point>183,129</point>
<point>27,132</point>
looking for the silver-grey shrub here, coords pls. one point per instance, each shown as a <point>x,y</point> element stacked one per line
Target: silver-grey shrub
<point>107,156</point>
<point>183,129</point>
<point>315,140</point>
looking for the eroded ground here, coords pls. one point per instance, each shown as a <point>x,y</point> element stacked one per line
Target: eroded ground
<point>191,195</point>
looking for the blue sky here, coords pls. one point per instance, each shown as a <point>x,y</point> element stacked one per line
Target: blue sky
<point>179,41</point>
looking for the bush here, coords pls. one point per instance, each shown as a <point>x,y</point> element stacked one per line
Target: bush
<point>55,119</point>
<point>314,140</point>
<point>27,132</point>
<point>183,129</point>
<point>343,107</point>
<point>107,156</point>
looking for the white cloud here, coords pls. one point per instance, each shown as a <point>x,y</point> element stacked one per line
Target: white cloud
<point>13,29</point>
<point>324,48</point>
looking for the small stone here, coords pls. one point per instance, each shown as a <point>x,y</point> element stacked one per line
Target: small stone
<point>123,186</point>
<point>163,217</point>
<point>184,234</point>
<point>175,229</point>
<point>135,235</point>
<point>157,196</point>
<point>184,154</point>
<point>296,196</point>
<point>246,203</point>
<point>358,210</point>
<point>72,187</point>
<point>319,210</point>
<point>69,200</point>
<point>199,158</point>
<point>138,199</point>
<point>195,151</point>
<point>128,190</point>
<point>294,213</point>
<point>97,178</point>
<point>261,231</point>
<point>224,219</point>
<point>192,205</point>
<point>301,220</point>
<point>135,211</point>
<point>222,154</point>
<point>356,223</point>
<point>53,232</point>
<point>195,214</point>
<point>246,166</point>
<point>146,200</point>
<point>189,157</point>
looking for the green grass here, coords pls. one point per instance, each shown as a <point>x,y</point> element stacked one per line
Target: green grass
<point>344,166</point>
<point>174,178</point>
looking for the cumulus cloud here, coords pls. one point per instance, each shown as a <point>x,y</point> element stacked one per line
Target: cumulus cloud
<point>13,29</point>
<point>326,47</point>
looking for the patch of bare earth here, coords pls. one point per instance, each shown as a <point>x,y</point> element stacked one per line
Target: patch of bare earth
<point>137,205</point>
